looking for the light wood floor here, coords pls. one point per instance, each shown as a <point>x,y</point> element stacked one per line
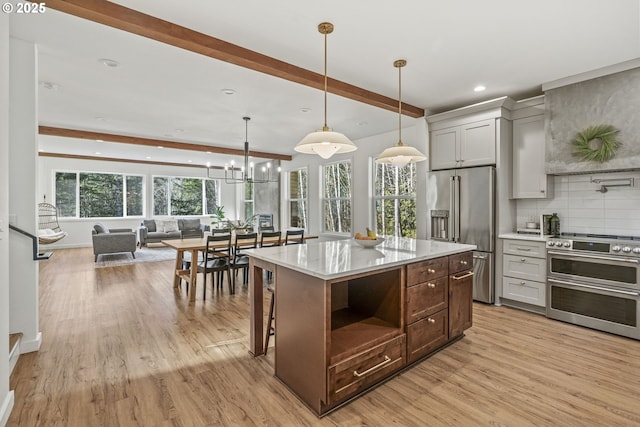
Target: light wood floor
<point>122,348</point>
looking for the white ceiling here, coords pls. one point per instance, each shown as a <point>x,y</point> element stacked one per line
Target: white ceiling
<point>163,92</point>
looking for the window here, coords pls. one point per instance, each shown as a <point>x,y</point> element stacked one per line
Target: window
<point>248,200</point>
<point>337,197</point>
<point>184,196</point>
<point>395,199</point>
<point>99,195</point>
<point>298,198</point>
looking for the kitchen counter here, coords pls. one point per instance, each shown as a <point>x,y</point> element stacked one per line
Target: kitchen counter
<point>349,317</point>
<point>519,236</point>
<point>336,258</point>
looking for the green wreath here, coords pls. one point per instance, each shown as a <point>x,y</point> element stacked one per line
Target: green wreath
<point>596,143</point>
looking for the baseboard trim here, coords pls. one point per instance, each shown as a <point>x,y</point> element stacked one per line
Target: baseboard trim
<point>5,409</point>
<point>31,345</point>
<point>14,354</point>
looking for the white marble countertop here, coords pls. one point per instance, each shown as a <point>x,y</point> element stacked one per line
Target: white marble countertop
<point>520,236</point>
<point>338,258</point>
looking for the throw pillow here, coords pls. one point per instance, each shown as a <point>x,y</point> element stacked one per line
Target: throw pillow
<point>190,224</point>
<point>101,228</point>
<point>170,225</point>
<point>150,224</point>
<point>160,225</point>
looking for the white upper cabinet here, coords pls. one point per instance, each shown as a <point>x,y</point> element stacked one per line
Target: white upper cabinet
<point>529,178</point>
<point>471,144</point>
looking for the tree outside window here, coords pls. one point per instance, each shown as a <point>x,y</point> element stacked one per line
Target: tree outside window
<point>98,195</point>
<point>337,184</point>
<point>183,196</point>
<point>298,193</point>
<point>248,200</point>
<point>395,200</point>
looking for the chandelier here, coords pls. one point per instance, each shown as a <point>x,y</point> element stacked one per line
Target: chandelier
<point>400,154</point>
<point>246,173</point>
<point>325,142</point>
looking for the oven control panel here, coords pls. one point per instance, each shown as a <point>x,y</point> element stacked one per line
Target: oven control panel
<point>614,248</point>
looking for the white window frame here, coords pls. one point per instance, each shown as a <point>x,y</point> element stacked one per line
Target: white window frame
<point>304,200</point>
<point>396,197</point>
<point>323,199</point>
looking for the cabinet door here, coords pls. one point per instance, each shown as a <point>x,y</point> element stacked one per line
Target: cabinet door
<point>426,335</point>
<point>478,143</point>
<point>426,298</point>
<point>524,267</point>
<point>445,146</point>
<point>460,302</point>
<point>529,178</point>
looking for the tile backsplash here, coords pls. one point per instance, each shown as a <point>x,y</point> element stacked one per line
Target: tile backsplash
<point>582,209</point>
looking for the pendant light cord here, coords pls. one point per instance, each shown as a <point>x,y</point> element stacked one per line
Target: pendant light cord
<point>400,106</point>
<point>326,128</point>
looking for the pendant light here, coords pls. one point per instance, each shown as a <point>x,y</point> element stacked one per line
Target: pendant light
<point>246,173</point>
<point>400,155</point>
<point>325,142</point>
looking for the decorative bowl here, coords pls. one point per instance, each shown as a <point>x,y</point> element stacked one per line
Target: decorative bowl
<point>369,243</point>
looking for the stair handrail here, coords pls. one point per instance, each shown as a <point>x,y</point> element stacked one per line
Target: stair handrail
<point>36,255</point>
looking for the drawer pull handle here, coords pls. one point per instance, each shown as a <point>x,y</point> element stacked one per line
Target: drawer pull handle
<point>430,270</point>
<point>386,360</point>
<point>524,249</point>
<point>430,320</point>
<point>431,285</point>
<point>463,262</point>
<point>464,276</point>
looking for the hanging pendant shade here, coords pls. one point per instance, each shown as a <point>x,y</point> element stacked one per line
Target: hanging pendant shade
<point>400,154</point>
<point>325,142</point>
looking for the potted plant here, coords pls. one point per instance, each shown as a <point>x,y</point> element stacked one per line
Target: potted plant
<point>218,217</point>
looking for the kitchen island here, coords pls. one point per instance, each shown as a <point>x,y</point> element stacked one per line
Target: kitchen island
<point>349,317</point>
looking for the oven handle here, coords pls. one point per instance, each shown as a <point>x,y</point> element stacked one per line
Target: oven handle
<point>604,258</point>
<point>597,288</point>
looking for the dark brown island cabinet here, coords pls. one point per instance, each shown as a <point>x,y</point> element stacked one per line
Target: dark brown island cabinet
<point>338,337</point>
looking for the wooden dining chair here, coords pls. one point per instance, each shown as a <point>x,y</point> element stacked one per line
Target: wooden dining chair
<point>217,258</point>
<point>240,259</point>
<point>294,237</point>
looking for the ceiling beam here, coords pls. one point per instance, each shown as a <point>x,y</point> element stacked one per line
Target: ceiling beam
<point>109,137</point>
<point>119,160</point>
<point>133,21</point>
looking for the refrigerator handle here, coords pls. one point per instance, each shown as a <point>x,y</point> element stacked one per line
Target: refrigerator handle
<point>457,212</point>
<point>452,209</point>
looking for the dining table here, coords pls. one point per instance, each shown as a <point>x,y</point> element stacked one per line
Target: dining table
<point>194,246</point>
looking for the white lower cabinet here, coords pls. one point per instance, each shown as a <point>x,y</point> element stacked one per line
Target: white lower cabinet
<point>524,271</point>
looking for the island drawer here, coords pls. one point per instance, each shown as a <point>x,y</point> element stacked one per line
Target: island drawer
<point>460,262</point>
<point>426,335</point>
<point>427,270</point>
<point>366,368</point>
<point>426,298</point>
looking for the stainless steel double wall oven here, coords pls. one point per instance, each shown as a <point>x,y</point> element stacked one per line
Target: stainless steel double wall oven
<point>595,282</point>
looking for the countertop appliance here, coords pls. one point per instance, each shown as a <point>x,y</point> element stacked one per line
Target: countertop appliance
<point>461,207</point>
<point>594,281</point>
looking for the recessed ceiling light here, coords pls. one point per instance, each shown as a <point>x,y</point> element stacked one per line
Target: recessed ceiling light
<point>98,153</point>
<point>109,62</point>
<point>305,109</point>
<point>189,161</point>
<point>160,146</point>
<point>99,140</point>
<point>208,152</point>
<point>479,88</point>
<point>148,157</point>
<point>228,91</point>
<point>41,150</point>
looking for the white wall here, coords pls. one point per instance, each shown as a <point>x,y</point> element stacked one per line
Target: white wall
<point>79,230</point>
<point>415,134</point>
<point>6,396</point>
<point>23,150</point>
<point>582,209</point>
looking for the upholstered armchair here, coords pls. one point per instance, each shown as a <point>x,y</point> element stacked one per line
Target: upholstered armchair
<point>111,241</point>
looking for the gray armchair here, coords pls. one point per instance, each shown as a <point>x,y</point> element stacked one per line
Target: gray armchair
<point>111,241</point>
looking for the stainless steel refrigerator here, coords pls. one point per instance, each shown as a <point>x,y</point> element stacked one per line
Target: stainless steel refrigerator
<point>461,208</point>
